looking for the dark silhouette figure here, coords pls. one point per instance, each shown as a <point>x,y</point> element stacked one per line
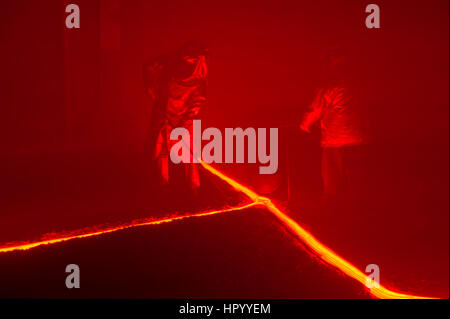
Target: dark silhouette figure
<point>337,108</point>
<point>176,85</point>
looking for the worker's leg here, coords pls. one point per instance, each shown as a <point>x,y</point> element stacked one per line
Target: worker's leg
<point>329,171</point>
<point>193,176</point>
<point>340,178</point>
<point>354,166</point>
<point>163,170</point>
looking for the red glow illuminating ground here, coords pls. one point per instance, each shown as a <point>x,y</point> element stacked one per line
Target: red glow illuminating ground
<point>317,247</point>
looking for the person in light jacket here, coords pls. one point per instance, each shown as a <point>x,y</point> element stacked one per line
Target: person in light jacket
<point>337,107</point>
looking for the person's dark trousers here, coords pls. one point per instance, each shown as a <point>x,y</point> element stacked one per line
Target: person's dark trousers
<point>342,170</point>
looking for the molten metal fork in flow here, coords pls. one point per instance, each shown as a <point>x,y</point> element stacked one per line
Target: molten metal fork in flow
<point>317,247</point>
<point>322,251</point>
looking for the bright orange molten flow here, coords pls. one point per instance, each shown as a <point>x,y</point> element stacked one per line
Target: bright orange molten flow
<point>320,249</point>
<point>137,223</point>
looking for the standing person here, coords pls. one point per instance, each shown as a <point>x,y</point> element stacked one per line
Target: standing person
<point>337,107</point>
<point>176,85</point>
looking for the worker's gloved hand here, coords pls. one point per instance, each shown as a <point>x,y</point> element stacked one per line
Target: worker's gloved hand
<point>304,128</point>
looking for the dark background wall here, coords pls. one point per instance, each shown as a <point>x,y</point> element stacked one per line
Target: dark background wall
<point>65,88</point>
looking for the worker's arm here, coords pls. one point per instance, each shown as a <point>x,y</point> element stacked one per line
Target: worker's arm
<point>315,113</point>
<point>152,76</point>
<point>197,101</point>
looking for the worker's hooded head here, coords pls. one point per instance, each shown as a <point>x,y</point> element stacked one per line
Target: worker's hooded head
<point>337,66</point>
<point>336,58</point>
<point>191,61</point>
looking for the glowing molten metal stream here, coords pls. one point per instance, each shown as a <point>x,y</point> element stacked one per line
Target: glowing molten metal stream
<point>317,247</point>
<point>137,223</point>
<point>320,249</point>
